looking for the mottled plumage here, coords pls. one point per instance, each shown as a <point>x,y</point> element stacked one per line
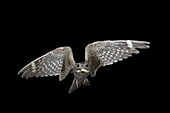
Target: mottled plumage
<point>101,53</point>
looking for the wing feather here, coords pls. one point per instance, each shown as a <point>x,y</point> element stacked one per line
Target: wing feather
<point>57,62</point>
<point>102,53</point>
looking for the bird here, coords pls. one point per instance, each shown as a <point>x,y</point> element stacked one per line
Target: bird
<point>98,54</point>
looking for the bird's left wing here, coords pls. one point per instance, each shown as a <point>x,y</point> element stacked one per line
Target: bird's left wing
<point>57,62</point>
<point>102,53</point>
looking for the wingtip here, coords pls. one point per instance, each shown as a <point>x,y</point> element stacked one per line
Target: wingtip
<point>146,42</point>
<point>19,72</point>
<point>137,41</point>
<point>147,46</point>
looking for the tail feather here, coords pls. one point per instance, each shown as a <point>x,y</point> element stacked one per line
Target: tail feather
<point>75,85</point>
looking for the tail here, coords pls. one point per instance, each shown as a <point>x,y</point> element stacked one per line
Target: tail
<point>77,83</point>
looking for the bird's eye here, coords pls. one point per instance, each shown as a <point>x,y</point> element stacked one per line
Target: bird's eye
<point>86,65</point>
<point>78,65</point>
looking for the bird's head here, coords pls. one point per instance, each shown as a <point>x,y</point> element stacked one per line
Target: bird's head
<point>81,71</point>
<point>81,67</point>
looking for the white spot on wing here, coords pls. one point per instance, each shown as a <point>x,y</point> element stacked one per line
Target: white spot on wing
<point>120,59</point>
<point>105,59</point>
<point>103,53</point>
<point>33,67</point>
<point>102,57</point>
<point>115,61</point>
<point>129,44</point>
<point>108,53</point>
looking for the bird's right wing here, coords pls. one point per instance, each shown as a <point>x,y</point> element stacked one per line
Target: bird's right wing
<point>102,53</point>
<point>57,62</point>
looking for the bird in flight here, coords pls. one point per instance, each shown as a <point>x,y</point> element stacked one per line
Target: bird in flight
<point>60,61</point>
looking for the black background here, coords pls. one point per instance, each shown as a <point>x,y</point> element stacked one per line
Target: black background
<point>131,83</point>
<point>131,80</point>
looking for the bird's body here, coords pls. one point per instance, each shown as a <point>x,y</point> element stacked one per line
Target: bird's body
<point>101,53</point>
<point>81,71</point>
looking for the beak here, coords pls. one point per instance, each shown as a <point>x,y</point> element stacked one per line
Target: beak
<point>84,70</point>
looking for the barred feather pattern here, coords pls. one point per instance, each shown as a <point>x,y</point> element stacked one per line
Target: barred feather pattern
<point>101,53</point>
<point>104,53</point>
<point>56,62</point>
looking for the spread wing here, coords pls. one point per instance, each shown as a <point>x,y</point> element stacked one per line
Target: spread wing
<point>57,62</point>
<point>104,53</point>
